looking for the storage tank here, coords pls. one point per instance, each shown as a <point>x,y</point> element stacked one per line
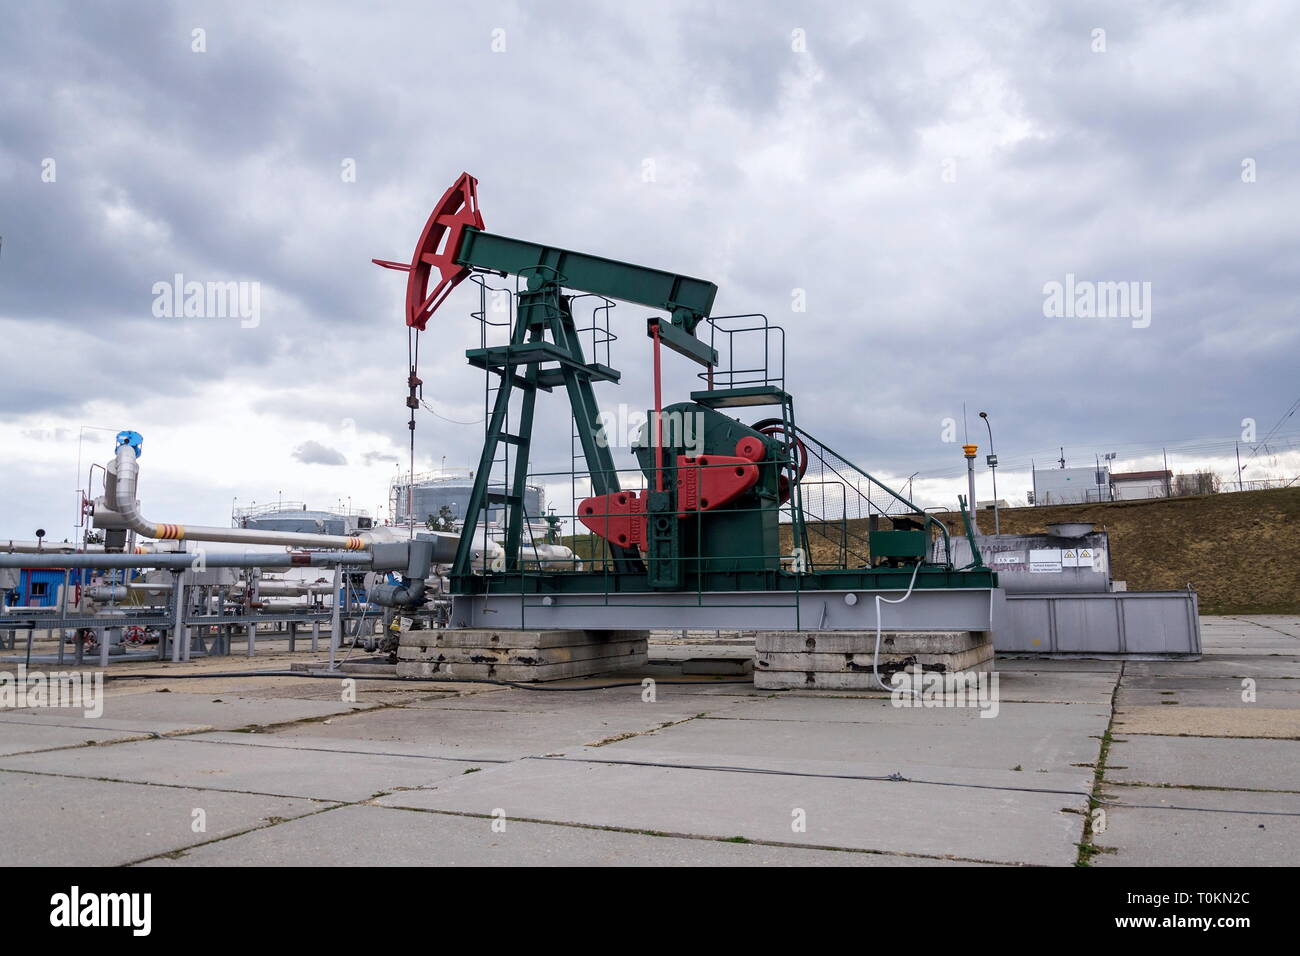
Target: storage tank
<point>430,494</point>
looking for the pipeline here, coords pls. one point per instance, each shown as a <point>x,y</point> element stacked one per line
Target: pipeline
<point>45,547</point>
<point>122,487</point>
<point>185,562</point>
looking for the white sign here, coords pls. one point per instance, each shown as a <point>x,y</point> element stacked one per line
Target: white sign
<point>1045,560</point>
<point>1008,557</point>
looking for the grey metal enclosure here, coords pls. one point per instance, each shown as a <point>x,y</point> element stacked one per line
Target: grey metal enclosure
<point>1128,624</point>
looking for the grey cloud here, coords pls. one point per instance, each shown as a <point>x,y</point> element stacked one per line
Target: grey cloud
<point>314,453</point>
<point>776,170</point>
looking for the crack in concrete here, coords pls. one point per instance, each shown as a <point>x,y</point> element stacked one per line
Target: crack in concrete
<point>604,741</point>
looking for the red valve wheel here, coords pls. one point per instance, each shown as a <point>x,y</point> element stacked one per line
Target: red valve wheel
<point>776,428</point>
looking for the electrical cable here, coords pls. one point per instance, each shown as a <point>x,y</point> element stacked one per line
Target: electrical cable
<point>875,660</point>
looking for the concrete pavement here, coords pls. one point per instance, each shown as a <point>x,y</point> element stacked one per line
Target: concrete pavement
<point>266,771</point>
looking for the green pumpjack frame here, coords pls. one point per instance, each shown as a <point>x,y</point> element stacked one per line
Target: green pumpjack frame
<point>544,308</point>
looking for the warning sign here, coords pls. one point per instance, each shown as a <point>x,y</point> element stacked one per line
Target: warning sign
<point>1076,558</point>
<point>1045,560</point>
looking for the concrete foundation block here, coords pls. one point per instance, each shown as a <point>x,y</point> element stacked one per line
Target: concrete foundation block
<point>457,670</point>
<point>856,642</point>
<point>517,655</point>
<point>513,637</point>
<point>522,655</point>
<point>844,660</point>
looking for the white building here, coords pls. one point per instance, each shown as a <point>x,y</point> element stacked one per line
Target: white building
<point>1071,486</point>
<point>1133,485</point>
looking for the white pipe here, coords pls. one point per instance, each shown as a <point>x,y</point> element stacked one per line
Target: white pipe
<point>45,547</point>
<point>284,588</point>
<point>126,507</point>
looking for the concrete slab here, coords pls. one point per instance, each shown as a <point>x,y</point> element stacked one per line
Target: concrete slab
<point>385,836</point>
<point>461,670</point>
<point>1209,690</point>
<point>64,821</point>
<point>1237,722</point>
<point>1212,692</point>
<point>946,822</point>
<point>677,699</point>
<point>1251,764</point>
<point>367,691</point>
<point>188,762</point>
<point>170,712</point>
<point>18,738</point>
<point>515,638</point>
<point>343,745</point>
<point>1249,835</point>
<point>1055,686</point>
<point>689,652</point>
<point>1052,738</point>
<point>1056,666</point>
<point>525,656</point>
<point>492,734</point>
<point>1249,645</point>
<point>1216,665</point>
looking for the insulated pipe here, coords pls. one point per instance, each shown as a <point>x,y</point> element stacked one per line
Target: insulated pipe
<point>127,508</point>
<point>39,547</point>
<point>106,592</point>
<point>284,589</point>
<point>235,559</point>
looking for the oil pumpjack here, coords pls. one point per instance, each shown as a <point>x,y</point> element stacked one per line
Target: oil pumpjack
<point>719,535</point>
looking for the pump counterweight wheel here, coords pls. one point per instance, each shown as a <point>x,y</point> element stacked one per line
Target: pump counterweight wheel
<point>776,428</point>
<point>437,248</point>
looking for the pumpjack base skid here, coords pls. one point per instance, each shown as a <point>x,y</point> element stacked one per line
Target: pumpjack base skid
<point>742,583</point>
<point>957,607</point>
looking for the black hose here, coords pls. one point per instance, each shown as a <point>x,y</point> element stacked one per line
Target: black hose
<point>425,680</point>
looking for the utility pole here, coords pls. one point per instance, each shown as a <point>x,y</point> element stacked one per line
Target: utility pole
<point>1238,444</point>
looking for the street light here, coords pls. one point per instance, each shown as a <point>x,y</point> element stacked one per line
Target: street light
<point>992,461</point>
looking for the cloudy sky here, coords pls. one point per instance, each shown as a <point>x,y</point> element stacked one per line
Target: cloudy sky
<point>913,175</point>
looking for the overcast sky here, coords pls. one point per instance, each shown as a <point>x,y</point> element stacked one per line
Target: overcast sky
<point>915,174</point>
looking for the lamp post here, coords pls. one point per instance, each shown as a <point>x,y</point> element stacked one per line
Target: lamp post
<point>992,461</point>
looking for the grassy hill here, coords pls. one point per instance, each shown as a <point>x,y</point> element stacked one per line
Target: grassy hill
<point>1241,551</point>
